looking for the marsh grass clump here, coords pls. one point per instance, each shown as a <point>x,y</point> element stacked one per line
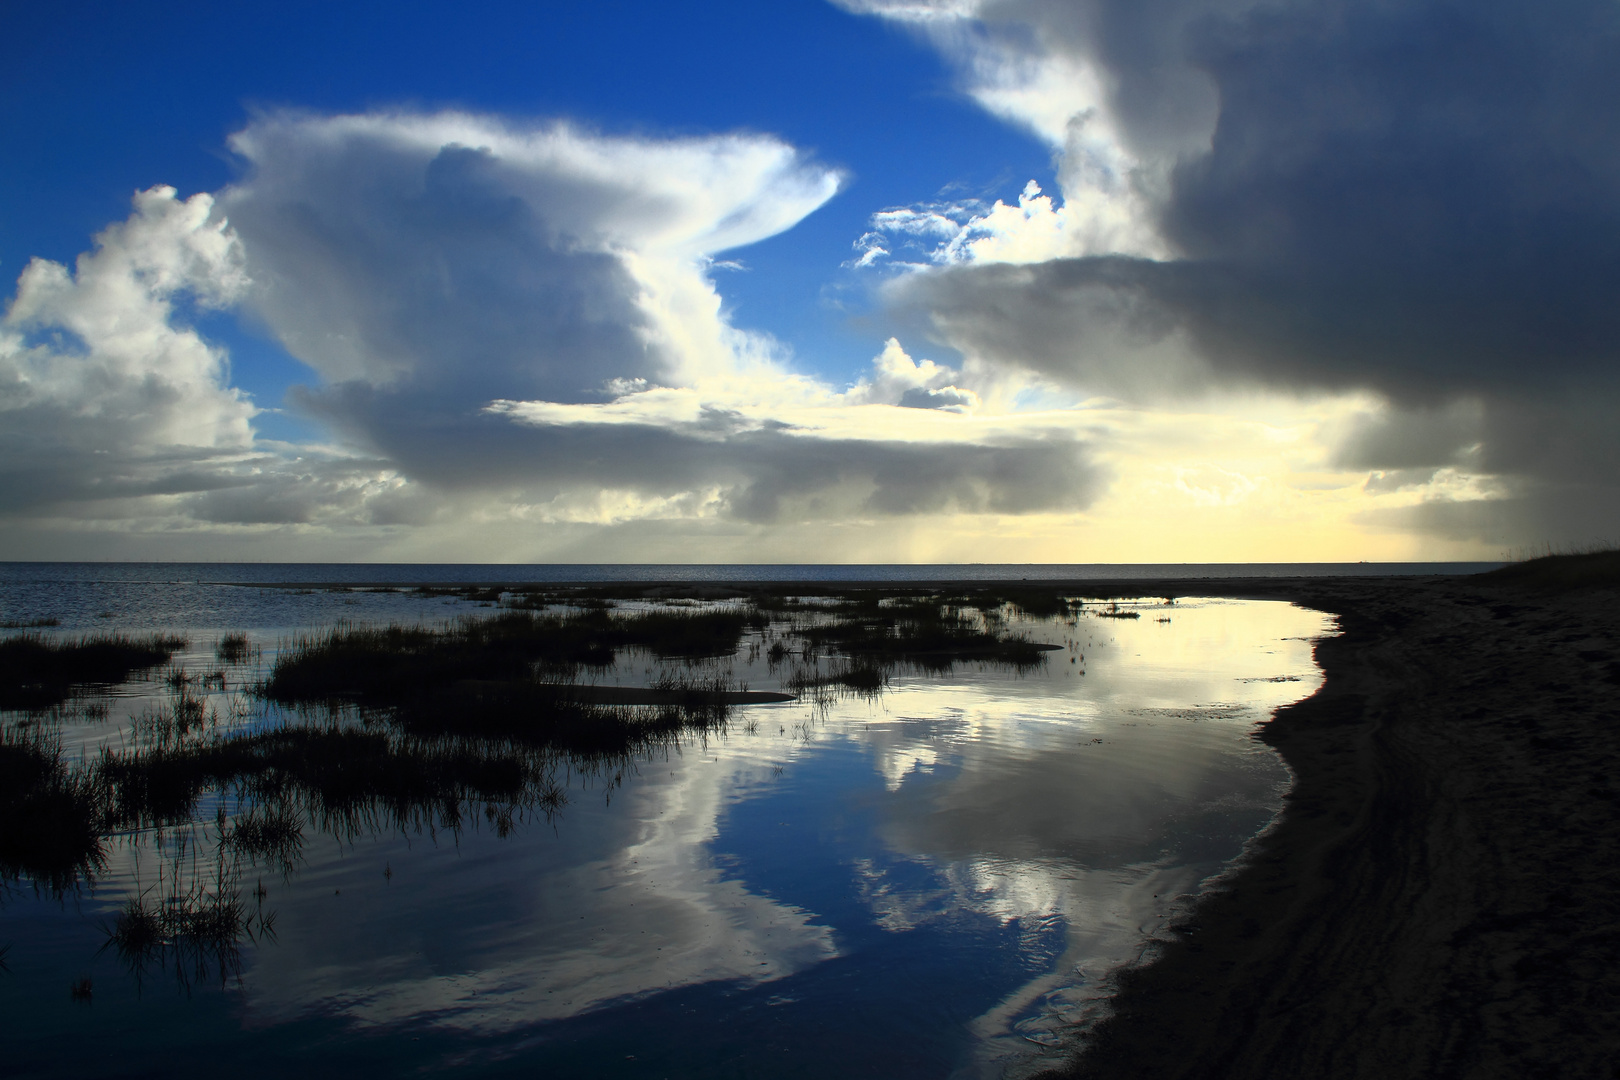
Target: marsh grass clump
<point>1037,603</point>
<point>37,672</point>
<point>29,624</point>
<point>272,835</point>
<point>866,680</point>
<point>528,598</point>
<point>862,678</point>
<point>342,779</point>
<point>186,714</point>
<point>701,701</point>
<point>1577,570</point>
<point>920,632</point>
<point>233,648</point>
<point>392,665</point>
<point>549,715</point>
<point>51,818</point>
<point>198,927</point>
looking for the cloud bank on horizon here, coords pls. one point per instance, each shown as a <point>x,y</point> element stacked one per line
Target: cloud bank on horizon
<point>1318,280</point>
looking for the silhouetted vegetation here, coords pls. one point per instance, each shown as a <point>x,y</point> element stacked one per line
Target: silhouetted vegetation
<point>345,781</point>
<point>51,818</point>
<point>1584,570</point>
<point>342,777</point>
<point>196,921</point>
<point>233,648</point>
<point>396,665</point>
<point>866,680</point>
<point>271,835</point>
<point>545,715</point>
<point>922,632</point>
<point>36,673</point>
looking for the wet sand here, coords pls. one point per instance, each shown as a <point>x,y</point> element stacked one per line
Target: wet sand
<point>1441,896</point>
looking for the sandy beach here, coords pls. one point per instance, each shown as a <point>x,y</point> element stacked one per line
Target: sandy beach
<point>1440,895</point>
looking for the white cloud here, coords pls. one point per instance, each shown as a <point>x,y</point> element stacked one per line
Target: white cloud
<point>897,379</point>
<point>529,313</point>
<point>1038,228</point>
<point>1035,65</point>
<point>391,249</point>
<point>513,326</point>
<point>103,395</point>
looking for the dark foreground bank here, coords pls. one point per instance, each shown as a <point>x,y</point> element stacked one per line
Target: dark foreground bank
<point>1441,897</point>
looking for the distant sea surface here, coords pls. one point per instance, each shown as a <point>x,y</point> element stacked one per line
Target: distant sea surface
<point>463,573</point>
<point>75,597</point>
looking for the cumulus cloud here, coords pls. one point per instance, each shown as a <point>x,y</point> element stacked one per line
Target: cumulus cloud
<point>897,379</point>
<point>1104,84</point>
<point>528,311</point>
<point>449,253</point>
<point>103,395</point>
<point>1412,200</point>
<point>502,322</point>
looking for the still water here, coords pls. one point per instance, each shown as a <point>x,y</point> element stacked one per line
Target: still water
<point>932,881</point>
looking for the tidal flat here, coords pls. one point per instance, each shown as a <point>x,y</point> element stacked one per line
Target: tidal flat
<point>626,830</point>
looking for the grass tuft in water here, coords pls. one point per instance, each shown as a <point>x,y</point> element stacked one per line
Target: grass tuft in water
<point>51,819</point>
<point>233,648</point>
<point>272,835</point>
<point>922,632</point>
<point>197,926</point>
<point>37,672</point>
<point>397,664</point>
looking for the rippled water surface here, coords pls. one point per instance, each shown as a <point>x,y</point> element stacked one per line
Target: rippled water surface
<point>928,882</point>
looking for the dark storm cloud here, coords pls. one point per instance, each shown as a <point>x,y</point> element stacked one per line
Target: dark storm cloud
<point>1547,513</point>
<point>1413,198</point>
<point>424,267</point>
<point>42,473</point>
<point>762,472</point>
<point>1029,476</point>
<point>1417,199</point>
<point>312,490</point>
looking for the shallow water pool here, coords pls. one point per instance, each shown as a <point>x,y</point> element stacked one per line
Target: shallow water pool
<point>930,881</point>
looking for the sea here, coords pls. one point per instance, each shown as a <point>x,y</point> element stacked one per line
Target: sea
<point>103,595</point>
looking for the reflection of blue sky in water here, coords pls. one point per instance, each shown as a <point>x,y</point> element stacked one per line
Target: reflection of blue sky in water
<point>925,884</point>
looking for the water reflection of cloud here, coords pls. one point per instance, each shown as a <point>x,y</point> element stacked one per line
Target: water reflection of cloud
<point>1063,817</point>
<point>972,800</point>
<point>620,902</point>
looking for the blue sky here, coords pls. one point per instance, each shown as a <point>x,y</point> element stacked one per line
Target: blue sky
<point>99,99</point>
<point>894,280</point>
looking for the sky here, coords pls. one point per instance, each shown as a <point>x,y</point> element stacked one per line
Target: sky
<point>809,281</point>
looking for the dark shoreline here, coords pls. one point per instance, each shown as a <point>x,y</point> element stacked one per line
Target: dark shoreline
<point>1441,895</point>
